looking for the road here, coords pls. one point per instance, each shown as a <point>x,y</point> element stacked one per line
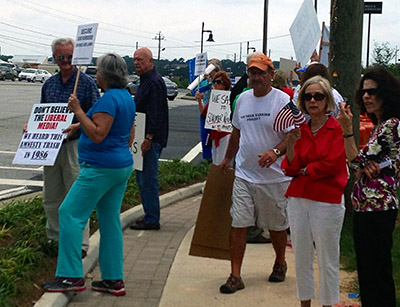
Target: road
<point>16,100</point>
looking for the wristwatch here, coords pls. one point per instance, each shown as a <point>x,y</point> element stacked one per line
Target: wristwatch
<point>148,138</point>
<point>277,151</point>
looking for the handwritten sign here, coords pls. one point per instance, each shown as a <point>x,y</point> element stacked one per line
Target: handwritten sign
<point>200,64</point>
<point>305,32</point>
<point>219,111</point>
<point>41,144</point>
<point>84,44</point>
<point>140,125</point>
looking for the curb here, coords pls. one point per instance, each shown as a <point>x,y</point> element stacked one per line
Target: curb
<point>62,299</point>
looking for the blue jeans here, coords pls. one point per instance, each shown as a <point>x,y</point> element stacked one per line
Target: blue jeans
<point>147,180</point>
<point>103,189</point>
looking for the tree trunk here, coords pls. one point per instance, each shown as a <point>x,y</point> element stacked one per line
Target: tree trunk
<point>345,60</point>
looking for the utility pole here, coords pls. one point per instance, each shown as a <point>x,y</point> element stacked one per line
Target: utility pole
<point>137,45</point>
<point>159,37</point>
<point>240,56</point>
<point>265,27</point>
<point>345,59</point>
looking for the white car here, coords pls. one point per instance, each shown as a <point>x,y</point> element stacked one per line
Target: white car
<point>30,72</point>
<point>40,75</point>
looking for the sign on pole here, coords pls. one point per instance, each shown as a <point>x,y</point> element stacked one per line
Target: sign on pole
<point>200,64</point>
<point>305,32</point>
<point>372,7</point>
<point>219,111</point>
<point>41,144</point>
<point>84,44</point>
<point>140,125</point>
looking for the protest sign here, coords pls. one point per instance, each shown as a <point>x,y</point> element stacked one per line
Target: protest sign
<point>41,144</point>
<point>140,125</point>
<point>305,32</point>
<point>287,66</point>
<point>50,117</point>
<point>200,63</point>
<point>38,148</point>
<point>84,44</point>
<point>219,111</point>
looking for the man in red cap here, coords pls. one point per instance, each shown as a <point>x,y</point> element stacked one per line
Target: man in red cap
<point>259,189</point>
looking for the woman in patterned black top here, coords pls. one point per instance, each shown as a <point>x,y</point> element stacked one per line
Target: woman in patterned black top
<point>374,196</point>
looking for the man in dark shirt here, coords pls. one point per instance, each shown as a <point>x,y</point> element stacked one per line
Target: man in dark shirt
<point>151,99</point>
<point>58,179</point>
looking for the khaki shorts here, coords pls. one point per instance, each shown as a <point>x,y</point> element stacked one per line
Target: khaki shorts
<point>263,205</point>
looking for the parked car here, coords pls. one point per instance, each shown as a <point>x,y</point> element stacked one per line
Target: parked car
<point>91,71</point>
<point>12,66</point>
<point>40,75</point>
<point>7,73</point>
<point>172,88</point>
<point>23,75</point>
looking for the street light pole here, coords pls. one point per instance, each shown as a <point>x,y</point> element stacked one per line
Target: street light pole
<point>265,27</point>
<point>202,31</point>
<point>210,37</point>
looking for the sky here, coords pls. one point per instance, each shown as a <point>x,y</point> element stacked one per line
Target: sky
<point>27,27</point>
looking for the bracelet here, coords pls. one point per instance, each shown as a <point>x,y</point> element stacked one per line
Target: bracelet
<point>149,139</point>
<point>348,135</point>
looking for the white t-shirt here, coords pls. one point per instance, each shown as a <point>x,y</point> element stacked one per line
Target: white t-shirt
<point>254,117</point>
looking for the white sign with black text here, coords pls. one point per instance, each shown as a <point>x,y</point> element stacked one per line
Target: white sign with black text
<point>140,126</point>
<point>219,111</point>
<point>84,44</point>
<point>200,64</point>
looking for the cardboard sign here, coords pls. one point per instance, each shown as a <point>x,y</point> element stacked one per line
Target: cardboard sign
<point>219,111</point>
<point>305,32</point>
<point>140,126</point>
<point>213,225</point>
<point>84,44</point>
<point>200,64</point>
<point>287,66</point>
<point>41,144</point>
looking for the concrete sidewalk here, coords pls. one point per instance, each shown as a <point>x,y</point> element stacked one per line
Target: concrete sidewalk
<point>159,272</point>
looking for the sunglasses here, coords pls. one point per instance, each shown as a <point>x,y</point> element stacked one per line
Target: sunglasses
<point>64,57</point>
<point>316,96</point>
<point>217,81</point>
<point>369,91</point>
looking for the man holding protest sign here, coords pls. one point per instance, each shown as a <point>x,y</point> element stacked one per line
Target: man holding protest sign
<point>58,179</point>
<point>259,187</point>
<point>151,99</point>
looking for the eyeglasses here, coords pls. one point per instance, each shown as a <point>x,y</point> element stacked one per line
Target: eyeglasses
<point>316,96</point>
<point>218,81</point>
<point>369,91</point>
<point>64,57</point>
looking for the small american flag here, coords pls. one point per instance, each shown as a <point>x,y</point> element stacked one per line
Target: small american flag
<point>289,115</point>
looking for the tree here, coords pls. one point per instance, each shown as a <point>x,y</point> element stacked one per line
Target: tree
<point>383,54</point>
<point>345,58</point>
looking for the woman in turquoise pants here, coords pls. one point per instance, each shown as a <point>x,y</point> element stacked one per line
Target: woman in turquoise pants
<point>106,165</point>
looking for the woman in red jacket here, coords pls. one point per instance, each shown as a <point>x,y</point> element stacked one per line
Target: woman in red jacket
<point>316,159</point>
